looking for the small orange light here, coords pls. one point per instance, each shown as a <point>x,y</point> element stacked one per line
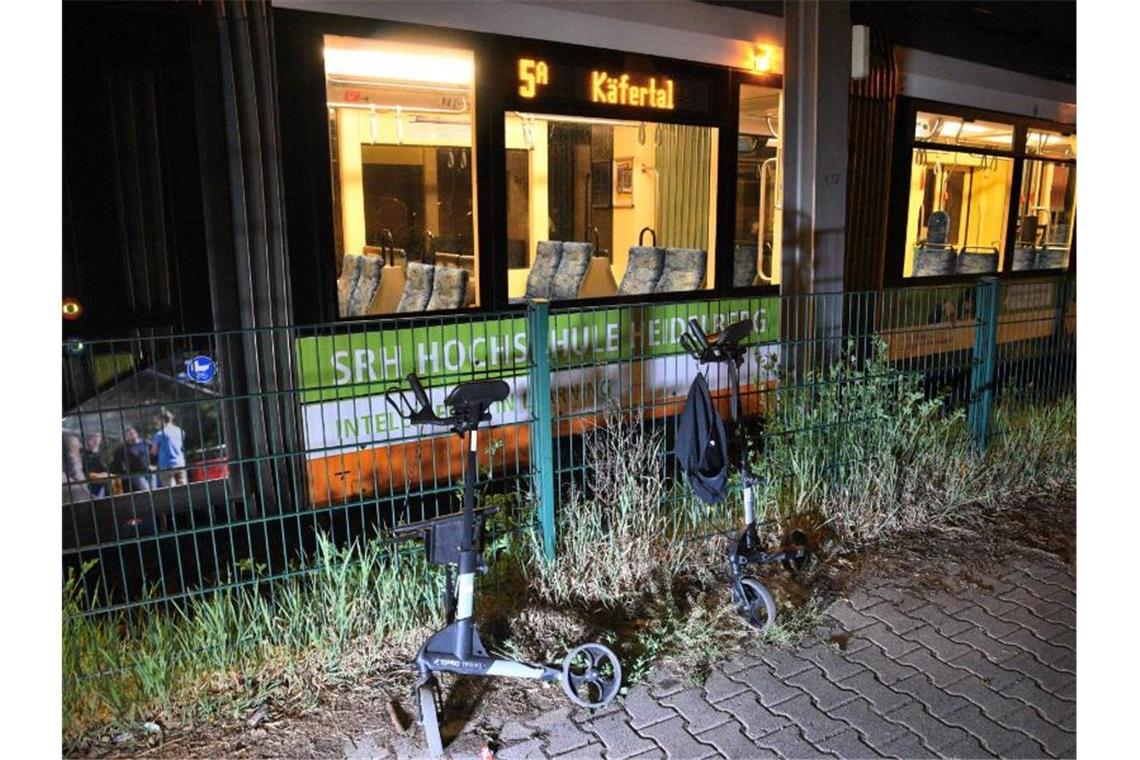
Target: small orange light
<point>72,309</point>
<point>762,62</point>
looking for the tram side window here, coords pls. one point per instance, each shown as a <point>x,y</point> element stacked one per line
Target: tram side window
<point>1048,202</point>
<point>958,208</point>
<point>759,187</point>
<point>401,126</point>
<point>957,216</point>
<point>602,207</point>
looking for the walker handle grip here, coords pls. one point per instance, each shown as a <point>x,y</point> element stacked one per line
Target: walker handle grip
<point>419,392</point>
<point>690,345</point>
<point>698,332</point>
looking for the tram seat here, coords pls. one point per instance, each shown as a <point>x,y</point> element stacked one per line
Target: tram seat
<point>449,288</point>
<point>933,259</point>
<point>683,270</point>
<point>1024,257</point>
<point>571,270</point>
<point>744,265</point>
<point>977,261</point>
<point>642,270</point>
<point>346,283</point>
<point>366,286</point>
<point>547,255</point>
<point>417,288</point>
<point>1052,257</point>
<point>461,260</point>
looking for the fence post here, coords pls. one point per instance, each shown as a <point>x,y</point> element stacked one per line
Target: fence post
<point>985,360</point>
<point>541,431</point>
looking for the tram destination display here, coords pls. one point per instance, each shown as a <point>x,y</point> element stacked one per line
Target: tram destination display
<point>641,87</point>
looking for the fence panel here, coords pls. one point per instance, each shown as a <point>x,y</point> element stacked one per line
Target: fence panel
<point>267,471</point>
<point>249,503</point>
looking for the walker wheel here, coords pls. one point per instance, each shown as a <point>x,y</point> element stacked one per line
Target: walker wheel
<point>757,606</point>
<point>591,675</point>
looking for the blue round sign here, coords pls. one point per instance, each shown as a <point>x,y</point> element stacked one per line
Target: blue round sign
<point>201,369</point>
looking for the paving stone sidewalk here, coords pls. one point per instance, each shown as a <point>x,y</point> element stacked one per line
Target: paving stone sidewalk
<point>983,672</point>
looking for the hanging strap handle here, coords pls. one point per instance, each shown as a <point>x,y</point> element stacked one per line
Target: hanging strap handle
<point>388,246</point>
<point>641,236</point>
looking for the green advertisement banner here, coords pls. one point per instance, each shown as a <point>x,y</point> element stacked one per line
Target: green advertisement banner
<point>367,363</point>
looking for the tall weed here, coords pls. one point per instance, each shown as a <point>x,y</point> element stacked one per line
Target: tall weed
<point>863,448</point>
<point>617,540</point>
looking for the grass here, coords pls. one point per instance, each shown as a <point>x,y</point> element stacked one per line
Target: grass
<point>864,452</point>
<point>618,542</point>
<point>360,610</point>
<point>854,456</point>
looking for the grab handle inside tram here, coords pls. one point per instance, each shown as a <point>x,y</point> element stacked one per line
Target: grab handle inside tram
<point>766,248</point>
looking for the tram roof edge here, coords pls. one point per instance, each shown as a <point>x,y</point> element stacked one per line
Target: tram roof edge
<point>952,80</point>
<point>709,34</point>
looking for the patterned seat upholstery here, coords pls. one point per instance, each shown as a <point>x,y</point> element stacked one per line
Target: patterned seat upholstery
<point>417,289</point>
<point>744,265</point>
<point>571,270</point>
<point>932,259</point>
<point>1052,257</point>
<point>975,262</point>
<point>642,270</point>
<point>366,286</point>
<point>449,288</point>
<point>1024,255</point>
<point>346,283</point>
<point>547,255</point>
<point>683,270</point>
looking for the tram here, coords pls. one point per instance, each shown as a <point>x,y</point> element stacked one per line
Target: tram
<point>427,169</point>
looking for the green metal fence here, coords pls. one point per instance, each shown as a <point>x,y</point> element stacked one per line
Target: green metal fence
<point>292,440</point>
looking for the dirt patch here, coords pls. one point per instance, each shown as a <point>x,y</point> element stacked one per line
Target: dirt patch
<point>979,549</point>
<point>374,717</point>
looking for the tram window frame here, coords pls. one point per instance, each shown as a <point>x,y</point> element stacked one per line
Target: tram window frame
<point>905,145</point>
<point>398,142</point>
<point>604,235</point>
<point>307,170</point>
<point>768,282</point>
<point>306,165</point>
<point>724,83</point>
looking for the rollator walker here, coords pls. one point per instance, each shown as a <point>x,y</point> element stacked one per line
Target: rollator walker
<point>752,599</point>
<point>590,674</point>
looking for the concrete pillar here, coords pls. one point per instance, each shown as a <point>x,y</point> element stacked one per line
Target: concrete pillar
<point>817,56</point>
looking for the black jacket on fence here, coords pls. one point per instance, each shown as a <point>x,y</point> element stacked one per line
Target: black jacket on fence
<point>701,447</point>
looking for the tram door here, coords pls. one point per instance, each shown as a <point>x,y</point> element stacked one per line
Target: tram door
<point>758,182</point>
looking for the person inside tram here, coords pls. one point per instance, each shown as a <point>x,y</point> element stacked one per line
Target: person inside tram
<point>94,467</point>
<point>132,460</point>
<point>167,444</point>
<point>73,478</point>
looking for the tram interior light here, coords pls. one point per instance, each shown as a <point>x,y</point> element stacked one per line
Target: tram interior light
<point>953,130</point>
<point>401,63</point>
